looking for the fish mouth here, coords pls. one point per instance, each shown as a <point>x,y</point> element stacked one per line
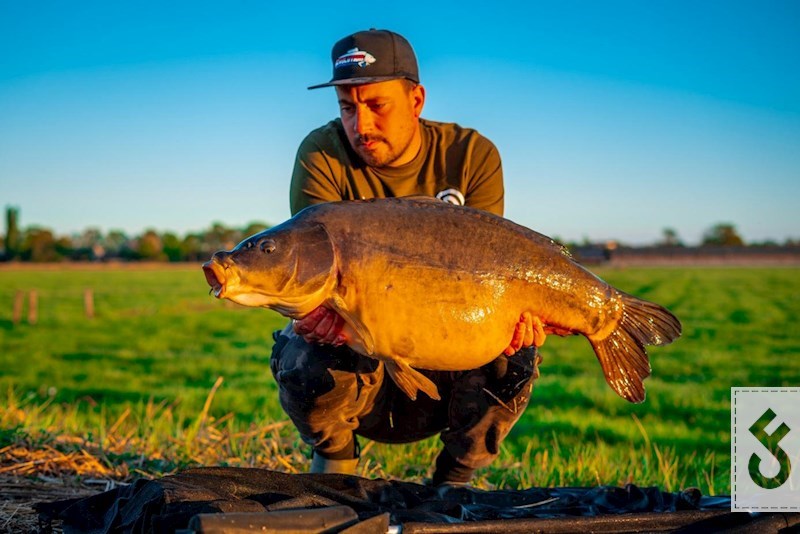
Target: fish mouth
<point>215,276</point>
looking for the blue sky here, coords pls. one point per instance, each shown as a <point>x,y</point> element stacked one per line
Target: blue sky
<point>614,119</point>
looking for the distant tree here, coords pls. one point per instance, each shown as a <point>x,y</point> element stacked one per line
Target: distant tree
<point>172,247</point>
<point>64,248</point>
<point>194,248</point>
<point>13,239</point>
<point>88,245</point>
<point>39,245</point>
<point>222,237</point>
<point>117,244</point>
<point>722,234</point>
<point>151,247</point>
<point>670,238</point>
<point>767,243</point>
<point>88,238</point>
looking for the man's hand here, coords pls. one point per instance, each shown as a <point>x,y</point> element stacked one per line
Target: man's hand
<point>323,326</point>
<point>529,331</point>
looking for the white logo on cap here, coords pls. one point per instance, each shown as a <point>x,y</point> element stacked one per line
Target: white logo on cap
<point>354,56</point>
<point>453,196</point>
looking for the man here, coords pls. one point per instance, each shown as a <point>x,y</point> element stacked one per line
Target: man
<point>380,147</point>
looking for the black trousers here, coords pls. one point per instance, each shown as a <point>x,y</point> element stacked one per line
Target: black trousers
<point>334,393</point>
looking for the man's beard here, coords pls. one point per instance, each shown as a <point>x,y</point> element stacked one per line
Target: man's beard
<point>375,160</point>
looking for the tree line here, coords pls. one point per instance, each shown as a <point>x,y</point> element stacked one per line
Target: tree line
<point>39,244</point>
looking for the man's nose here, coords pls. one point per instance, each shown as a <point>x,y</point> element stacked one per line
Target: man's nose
<point>363,123</point>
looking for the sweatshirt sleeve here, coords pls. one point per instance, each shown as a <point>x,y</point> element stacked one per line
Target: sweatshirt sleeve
<point>314,180</point>
<point>485,186</point>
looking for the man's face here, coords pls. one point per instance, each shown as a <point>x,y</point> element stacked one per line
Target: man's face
<point>381,120</point>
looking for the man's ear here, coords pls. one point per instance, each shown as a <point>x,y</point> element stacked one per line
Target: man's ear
<point>418,99</point>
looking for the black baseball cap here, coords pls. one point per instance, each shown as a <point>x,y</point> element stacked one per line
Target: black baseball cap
<point>372,56</point>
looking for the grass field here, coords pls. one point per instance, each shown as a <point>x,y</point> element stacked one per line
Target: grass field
<point>138,387</point>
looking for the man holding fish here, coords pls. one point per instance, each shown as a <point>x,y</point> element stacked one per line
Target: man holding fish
<point>381,147</point>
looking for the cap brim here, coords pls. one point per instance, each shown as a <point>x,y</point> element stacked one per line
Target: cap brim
<point>361,81</point>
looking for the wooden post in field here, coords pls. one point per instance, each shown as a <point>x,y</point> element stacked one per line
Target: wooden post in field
<point>88,303</point>
<point>19,301</point>
<point>33,306</point>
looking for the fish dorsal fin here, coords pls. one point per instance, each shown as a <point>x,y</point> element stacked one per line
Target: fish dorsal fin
<point>337,303</point>
<point>411,381</point>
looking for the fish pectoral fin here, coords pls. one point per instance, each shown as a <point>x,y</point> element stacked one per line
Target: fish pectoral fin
<point>338,304</point>
<point>411,381</point>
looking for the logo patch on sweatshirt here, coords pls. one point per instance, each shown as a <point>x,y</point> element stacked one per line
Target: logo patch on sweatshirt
<point>453,196</point>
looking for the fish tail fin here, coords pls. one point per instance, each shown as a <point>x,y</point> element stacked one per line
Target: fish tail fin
<point>622,354</point>
<point>411,381</point>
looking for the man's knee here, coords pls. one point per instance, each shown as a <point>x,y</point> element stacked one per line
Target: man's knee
<point>323,389</point>
<point>302,369</point>
<point>510,378</point>
<point>481,418</point>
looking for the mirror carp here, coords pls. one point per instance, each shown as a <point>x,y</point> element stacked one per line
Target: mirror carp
<point>423,284</point>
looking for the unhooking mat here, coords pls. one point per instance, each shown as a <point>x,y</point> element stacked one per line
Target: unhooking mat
<point>219,499</point>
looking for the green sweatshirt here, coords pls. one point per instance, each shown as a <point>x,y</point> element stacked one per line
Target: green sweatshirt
<point>454,164</point>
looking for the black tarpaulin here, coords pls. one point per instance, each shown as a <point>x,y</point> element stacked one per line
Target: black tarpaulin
<point>266,500</point>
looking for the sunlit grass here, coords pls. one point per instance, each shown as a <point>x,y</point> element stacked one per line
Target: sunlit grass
<point>150,439</point>
<point>137,385</point>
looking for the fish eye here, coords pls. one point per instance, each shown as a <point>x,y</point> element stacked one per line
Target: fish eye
<point>267,246</point>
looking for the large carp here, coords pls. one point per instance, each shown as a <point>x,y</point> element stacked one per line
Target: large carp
<point>425,284</point>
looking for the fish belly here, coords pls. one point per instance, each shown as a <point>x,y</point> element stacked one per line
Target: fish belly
<point>435,320</point>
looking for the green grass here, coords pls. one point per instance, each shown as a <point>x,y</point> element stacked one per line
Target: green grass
<point>156,333</point>
<point>145,365</point>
